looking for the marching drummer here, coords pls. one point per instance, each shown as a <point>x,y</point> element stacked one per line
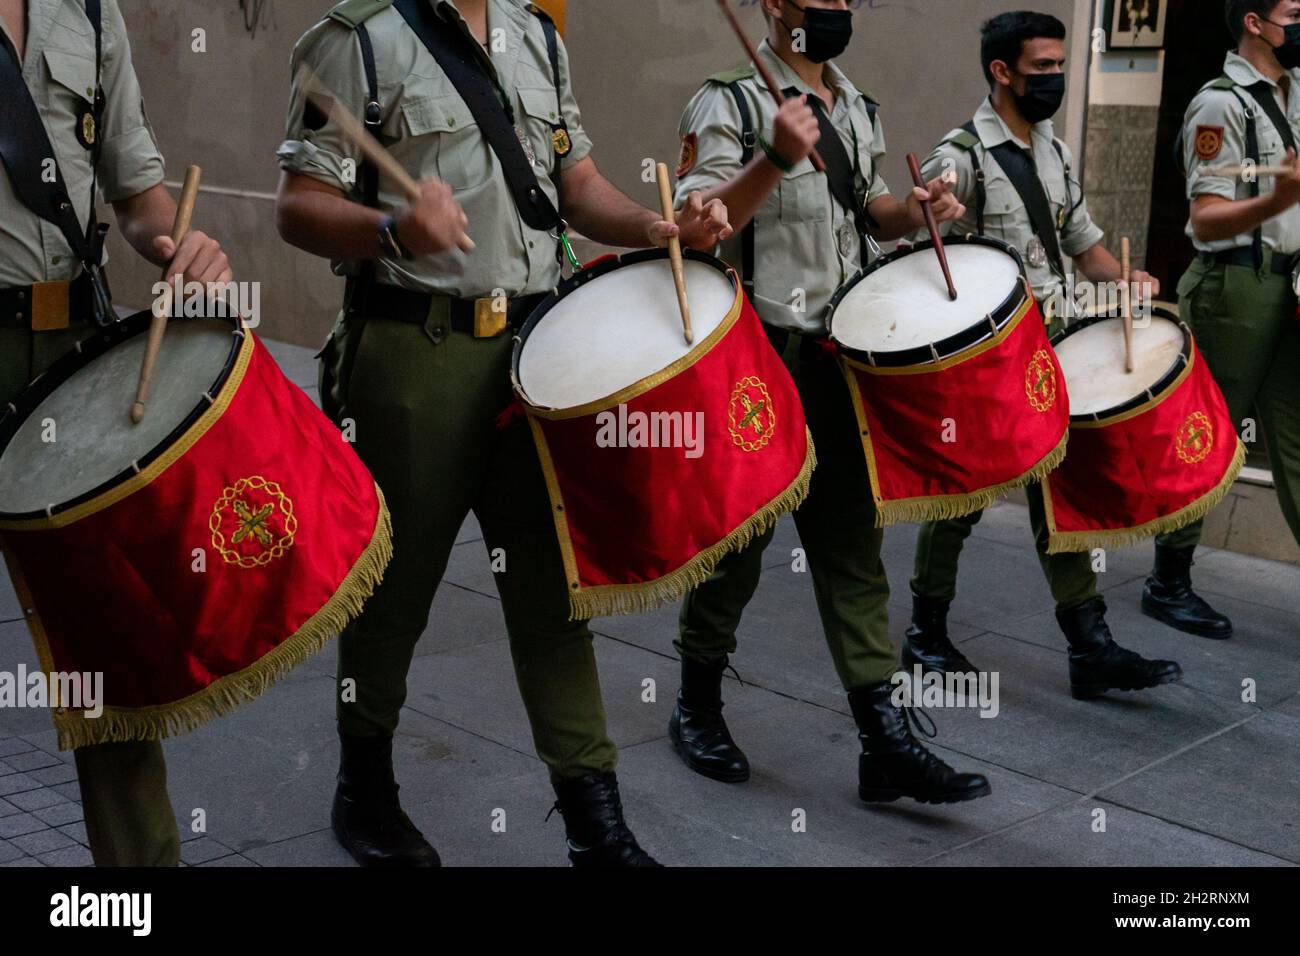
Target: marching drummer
<point>806,233</point>
<point>419,364</point>
<point>1239,295</point>
<point>1017,182</point>
<point>79,104</point>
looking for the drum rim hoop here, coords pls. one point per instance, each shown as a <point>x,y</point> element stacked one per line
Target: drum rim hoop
<point>1161,390</point>
<point>649,382</point>
<point>88,350</point>
<point>954,346</point>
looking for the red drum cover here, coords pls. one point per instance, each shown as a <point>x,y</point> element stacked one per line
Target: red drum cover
<point>295,536</point>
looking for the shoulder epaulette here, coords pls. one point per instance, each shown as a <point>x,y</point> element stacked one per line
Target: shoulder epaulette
<point>352,13</point>
<point>731,76</point>
<point>1222,83</point>
<point>963,139</point>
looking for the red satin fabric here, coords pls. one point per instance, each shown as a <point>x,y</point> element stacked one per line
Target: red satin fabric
<point>1128,474</point>
<point>1000,433</point>
<point>116,592</point>
<point>634,515</point>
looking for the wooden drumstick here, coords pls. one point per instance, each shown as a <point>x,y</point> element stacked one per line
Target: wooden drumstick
<point>351,127</point>
<point>1243,169</point>
<point>675,251</point>
<point>768,80</point>
<point>932,224</point>
<point>1126,301</point>
<point>162,309</point>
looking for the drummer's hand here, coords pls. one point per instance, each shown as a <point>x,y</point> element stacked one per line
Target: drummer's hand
<point>1145,286</point>
<point>435,222</point>
<point>942,201</point>
<point>700,225</point>
<point>199,259</point>
<point>1287,188</point>
<point>795,132</point>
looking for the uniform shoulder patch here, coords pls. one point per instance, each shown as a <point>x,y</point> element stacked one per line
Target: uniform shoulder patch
<point>1209,142</point>
<point>352,13</point>
<point>690,153</point>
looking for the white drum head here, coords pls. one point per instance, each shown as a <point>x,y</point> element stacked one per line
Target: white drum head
<point>904,304</point>
<point>1093,362</point>
<point>618,329</point>
<point>88,416</point>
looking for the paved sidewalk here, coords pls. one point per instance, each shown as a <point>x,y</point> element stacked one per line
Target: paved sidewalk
<point>1187,774</point>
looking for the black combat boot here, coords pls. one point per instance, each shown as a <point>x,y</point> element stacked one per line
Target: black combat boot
<point>893,762</point>
<point>593,822</point>
<point>926,642</point>
<point>1168,597</point>
<point>697,729</point>
<point>367,818</point>
<point>1098,664</point>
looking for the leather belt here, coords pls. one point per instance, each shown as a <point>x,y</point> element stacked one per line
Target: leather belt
<point>1280,264</point>
<point>810,346</point>
<point>482,318</point>
<point>47,306</point>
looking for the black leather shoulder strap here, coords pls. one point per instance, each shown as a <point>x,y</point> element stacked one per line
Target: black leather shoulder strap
<point>485,102</point>
<point>748,142</point>
<point>981,194</point>
<point>1262,93</point>
<point>1023,173</point>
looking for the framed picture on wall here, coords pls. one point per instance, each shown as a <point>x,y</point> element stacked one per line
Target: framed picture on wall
<point>1136,24</point>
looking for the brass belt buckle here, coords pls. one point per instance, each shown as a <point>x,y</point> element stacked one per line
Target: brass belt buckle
<point>50,306</point>
<point>490,316</point>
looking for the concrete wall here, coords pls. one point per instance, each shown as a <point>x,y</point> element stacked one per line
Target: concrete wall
<point>636,62</point>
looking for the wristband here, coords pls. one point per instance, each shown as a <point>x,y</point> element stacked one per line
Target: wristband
<point>775,158</point>
<point>389,242</point>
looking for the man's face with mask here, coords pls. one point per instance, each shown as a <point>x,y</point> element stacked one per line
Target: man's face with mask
<point>1036,79</point>
<point>1281,31</point>
<point>819,29</point>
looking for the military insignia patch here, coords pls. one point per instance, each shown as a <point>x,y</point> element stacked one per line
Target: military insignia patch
<point>562,142</point>
<point>1195,439</point>
<point>252,523</point>
<point>751,418</point>
<point>1209,142</point>
<point>690,153</point>
<point>1040,382</point>
<point>86,130</point>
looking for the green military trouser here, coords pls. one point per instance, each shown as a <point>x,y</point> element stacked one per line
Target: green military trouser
<point>939,544</point>
<point>837,528</point>
<point>1246,327</point>
<point>425,401</point>
<point>129,817</point>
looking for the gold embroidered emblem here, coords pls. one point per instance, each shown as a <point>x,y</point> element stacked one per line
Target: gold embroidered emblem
<point>252,523</point>
<point>1040,381</point>
<point>562,143</point>
<point>751,417</point>
<point>1195,439</point>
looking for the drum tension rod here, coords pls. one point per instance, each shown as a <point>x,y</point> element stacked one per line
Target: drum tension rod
<point>135,466</point>
<point>992,324</point>
<point>934,352</point>
<point>208,396</point>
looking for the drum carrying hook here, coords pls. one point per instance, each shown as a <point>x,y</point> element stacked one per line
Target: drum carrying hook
<point>561,235</point>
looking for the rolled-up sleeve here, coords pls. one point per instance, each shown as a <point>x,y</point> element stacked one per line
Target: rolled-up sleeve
<point>314,145</point>
<point>1080,233</point>
<point>572,115</point>
<point>878,186</point>
<point>129,159</point>
<point>1212,117</point>
<point>711,147</point>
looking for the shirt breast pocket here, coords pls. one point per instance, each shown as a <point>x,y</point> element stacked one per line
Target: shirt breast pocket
<point>444,127</point>
<point>70,99</point>
<point>541,107</point>
<point>803,195</point>
<point>1271,148</point>
<point>1005,216</point>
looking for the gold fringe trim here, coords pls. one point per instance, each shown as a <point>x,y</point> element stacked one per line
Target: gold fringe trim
<point>1064,542</point>
<point>227,693</point>
<point>611,599</point>
<point>947,507</point>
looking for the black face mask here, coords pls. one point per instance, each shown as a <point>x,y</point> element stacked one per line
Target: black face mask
<point>1288,54</point>
<point>826,32</point>
<point>1044,93</point>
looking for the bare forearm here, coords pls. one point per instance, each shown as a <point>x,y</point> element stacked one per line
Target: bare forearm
<point>145,216</point>
<point>598,210</point>
<point>895,218</point>
<point>1099,265</point>
<point>326,224</point>
<point>745,194</point>
<point>1225,219</point>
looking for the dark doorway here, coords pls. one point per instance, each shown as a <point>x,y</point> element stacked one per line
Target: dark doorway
<point>1196,41</point>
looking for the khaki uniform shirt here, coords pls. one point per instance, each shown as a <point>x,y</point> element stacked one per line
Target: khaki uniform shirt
<point>59,67</point>
<point>429,129</point>
<point>1005,215</point>
<point>1214,134</point>
<point>800,262</point>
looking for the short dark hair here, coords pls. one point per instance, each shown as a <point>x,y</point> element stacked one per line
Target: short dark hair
<point>1236,11</point>
<point>1004,37</point>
